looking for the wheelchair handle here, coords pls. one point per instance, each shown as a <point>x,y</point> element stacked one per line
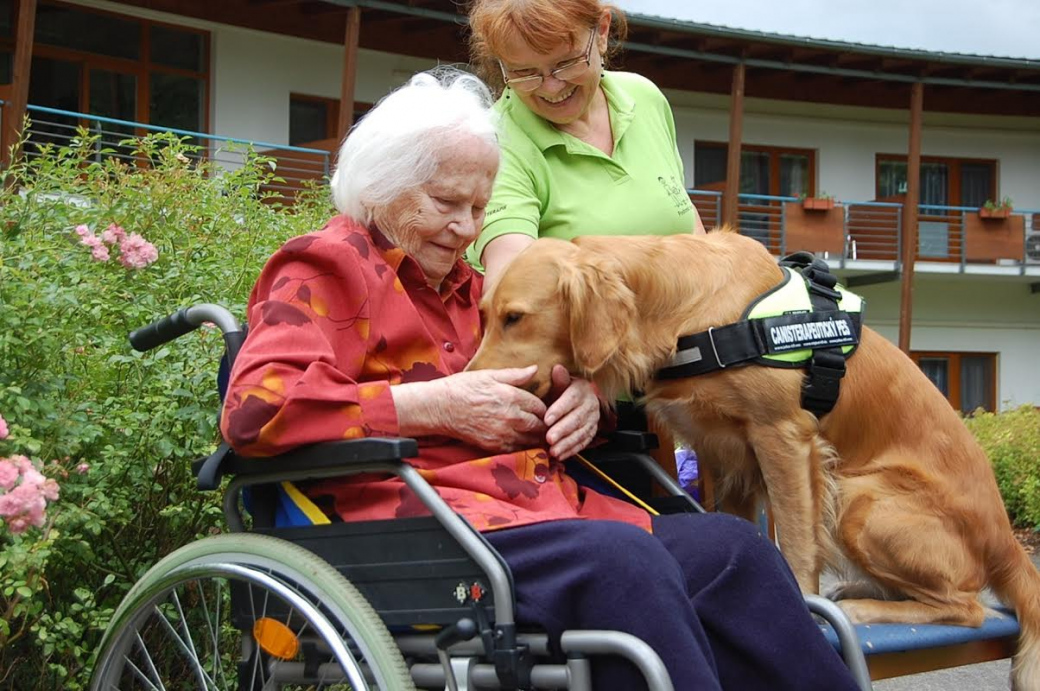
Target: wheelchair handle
<point>184,320</point>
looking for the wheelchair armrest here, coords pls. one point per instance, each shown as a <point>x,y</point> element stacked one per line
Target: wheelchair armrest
<point>631,441</point>
<point>318,457</point>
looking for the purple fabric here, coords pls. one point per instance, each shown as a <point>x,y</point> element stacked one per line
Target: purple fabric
<point>686,463</point>
<point>706,591</point>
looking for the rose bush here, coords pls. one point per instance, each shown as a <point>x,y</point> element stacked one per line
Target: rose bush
<point>96,440</point>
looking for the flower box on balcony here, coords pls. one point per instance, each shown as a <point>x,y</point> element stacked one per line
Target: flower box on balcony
<point>991,239</point>
<point>999,212</point>
<point>817,204</point>
<point>817,230</point>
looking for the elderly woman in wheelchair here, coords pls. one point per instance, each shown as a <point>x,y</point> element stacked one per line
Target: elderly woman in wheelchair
<point>524,578</point>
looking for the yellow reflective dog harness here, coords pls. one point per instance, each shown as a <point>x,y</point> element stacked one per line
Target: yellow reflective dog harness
<point>807,321</point>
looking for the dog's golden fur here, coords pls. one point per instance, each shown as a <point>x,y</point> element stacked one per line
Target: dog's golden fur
<point>890,480</point>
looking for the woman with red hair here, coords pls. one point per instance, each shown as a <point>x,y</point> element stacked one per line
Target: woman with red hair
<point>585,151</point>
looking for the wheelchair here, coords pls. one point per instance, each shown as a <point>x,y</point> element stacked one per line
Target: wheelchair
<point>422,602</point>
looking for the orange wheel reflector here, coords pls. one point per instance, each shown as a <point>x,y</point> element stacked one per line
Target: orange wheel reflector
<point>275,638</point>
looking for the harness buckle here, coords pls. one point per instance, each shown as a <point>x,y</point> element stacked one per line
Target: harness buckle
<point>823,381</point>
<point>824,291</point>
<point>711,339</point>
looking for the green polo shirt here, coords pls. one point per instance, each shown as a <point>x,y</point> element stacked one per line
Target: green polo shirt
<point>551,184</point>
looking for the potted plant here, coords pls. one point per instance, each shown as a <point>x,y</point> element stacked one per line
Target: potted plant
<point>992,209</point>
<point>820,202</point>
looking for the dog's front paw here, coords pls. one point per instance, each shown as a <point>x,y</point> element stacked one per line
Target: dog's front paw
<point>853,610</point>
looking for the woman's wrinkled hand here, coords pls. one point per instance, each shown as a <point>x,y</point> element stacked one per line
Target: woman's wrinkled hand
<point>573,418</point>
<point>488,408</point>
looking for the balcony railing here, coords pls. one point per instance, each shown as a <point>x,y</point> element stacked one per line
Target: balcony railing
<point>851,234</point>
<point>295,165</point>
<point>858,233</point>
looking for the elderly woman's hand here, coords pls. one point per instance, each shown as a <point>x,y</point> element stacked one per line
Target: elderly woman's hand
<point>486,408</point>
<point>573,418</point>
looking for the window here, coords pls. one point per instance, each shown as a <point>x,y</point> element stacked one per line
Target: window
<point>64,26</point>
<point>967,380</point>
<point>944,181</point>
<point>6,30</point>
<point>771,170</point>
<point>114,66</point>
<point>315,118</point>
<point>177,48</point>
<point>6,18</point>
<point>177,102</point>
<point>311,119</point>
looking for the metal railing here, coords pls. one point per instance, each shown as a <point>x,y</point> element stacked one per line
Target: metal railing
<point>872,231</point>
<point>709,206</point>
<point>295,165</point>
<point>868,231</point>
<point>760,216</point>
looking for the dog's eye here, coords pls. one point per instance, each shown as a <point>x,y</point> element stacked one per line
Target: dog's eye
<point>512,318</point>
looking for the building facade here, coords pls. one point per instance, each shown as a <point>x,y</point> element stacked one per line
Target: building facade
<point>828,133</point>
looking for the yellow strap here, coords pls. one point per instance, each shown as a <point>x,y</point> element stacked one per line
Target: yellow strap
<point>588,464</point>
<point>309,508</point>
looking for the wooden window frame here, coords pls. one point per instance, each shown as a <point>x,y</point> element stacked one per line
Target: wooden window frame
<point>142,68</point>
<point>953,163</point>
<point>331,112</point>
<point>774,160</point>
<point>955,242</point>
<point>954,372</point>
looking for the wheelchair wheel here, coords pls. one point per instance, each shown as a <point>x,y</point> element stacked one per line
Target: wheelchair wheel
<point>248,613</point>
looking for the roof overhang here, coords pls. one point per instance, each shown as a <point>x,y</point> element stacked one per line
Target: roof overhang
<point>677,54</point>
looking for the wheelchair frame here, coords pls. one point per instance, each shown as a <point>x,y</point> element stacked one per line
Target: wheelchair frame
<point>341,611</point>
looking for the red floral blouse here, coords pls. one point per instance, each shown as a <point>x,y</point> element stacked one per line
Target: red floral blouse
<point>336,318</point>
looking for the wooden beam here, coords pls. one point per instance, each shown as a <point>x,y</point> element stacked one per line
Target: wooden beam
<point>730,198</point>
<point>910,207</point>
<point>350,51</point>
<point>21,64</point>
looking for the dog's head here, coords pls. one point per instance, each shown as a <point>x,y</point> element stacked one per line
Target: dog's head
<point>556,304</point>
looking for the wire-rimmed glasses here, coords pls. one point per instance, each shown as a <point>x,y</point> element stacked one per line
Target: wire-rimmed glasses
<point>572,69</point>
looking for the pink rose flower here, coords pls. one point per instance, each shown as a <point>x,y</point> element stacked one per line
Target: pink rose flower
<point>113,234</point>
<point>136,253</point>
<point>26,493</point>
<point>8,474</point>
<point>4,432</point>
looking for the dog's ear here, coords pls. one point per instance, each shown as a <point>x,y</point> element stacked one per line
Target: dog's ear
<point>602,308</point>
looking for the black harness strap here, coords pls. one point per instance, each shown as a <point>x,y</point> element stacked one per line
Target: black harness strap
<point>746,341</point>
<point>826,368</point>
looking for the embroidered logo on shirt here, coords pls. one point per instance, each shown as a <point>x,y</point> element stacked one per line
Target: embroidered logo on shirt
<point>677,194</point>
<point>492,211</point>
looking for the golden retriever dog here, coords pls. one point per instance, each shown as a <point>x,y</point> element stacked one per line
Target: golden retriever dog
<point>890,485</point>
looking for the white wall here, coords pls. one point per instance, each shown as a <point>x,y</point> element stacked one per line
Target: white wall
<point>847,139</point>
<point>970,314</point>
<point>252,74</point>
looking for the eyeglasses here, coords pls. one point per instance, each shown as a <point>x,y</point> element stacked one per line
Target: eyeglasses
<point>572,69</point>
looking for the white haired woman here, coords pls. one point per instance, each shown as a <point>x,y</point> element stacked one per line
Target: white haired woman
<point>364,328</point>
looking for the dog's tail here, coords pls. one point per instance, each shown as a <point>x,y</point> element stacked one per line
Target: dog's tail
<point>1016,581</point>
